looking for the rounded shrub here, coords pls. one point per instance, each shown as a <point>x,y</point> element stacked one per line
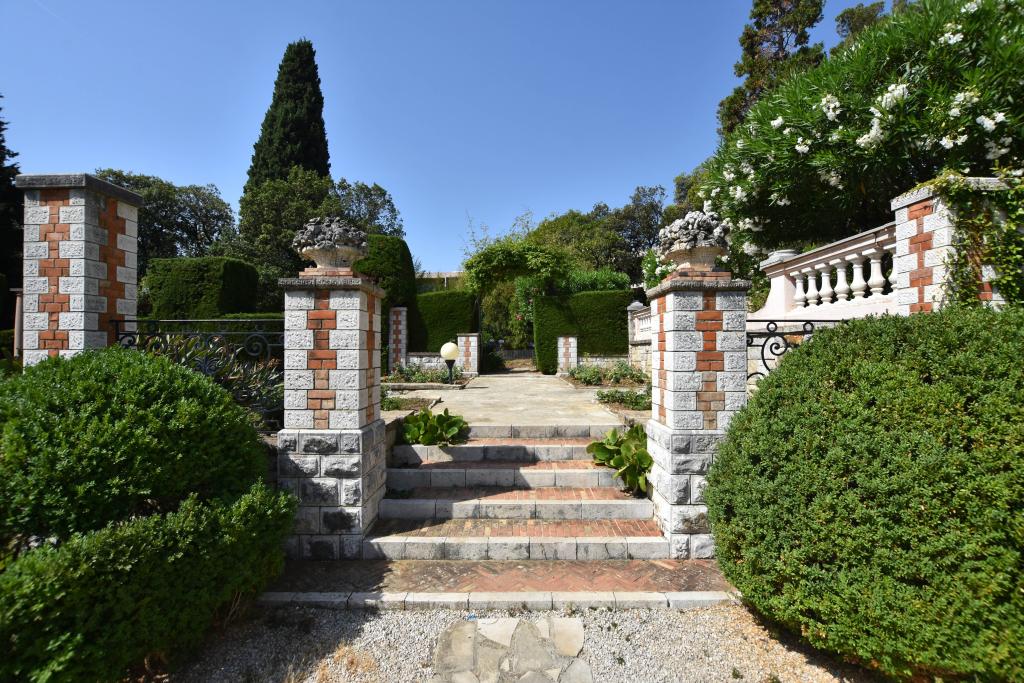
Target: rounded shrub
<point>871,494</point>
<point>109,435</point>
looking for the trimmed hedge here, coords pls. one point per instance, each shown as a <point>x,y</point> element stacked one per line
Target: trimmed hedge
<point>102,602</point>
<point>439,317</point>
<point>871,495</point>
<point>108,435</point>
<point>199,288</point>
<point>597,319</point>
<point>389,263</point>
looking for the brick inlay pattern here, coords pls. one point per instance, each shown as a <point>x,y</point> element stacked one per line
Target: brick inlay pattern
<point>398,337</point>
<point>465,528</point>
<point>546,465</point>
<point>543,493</point>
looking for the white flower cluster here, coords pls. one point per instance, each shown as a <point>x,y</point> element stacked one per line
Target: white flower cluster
<point>971,7</point>
<point>895,93</point>
<point>748,170</point>
<point>951,142</point>
<point>801,146</point>
<point>961,101</point>
<point>953,35</point>
<point>830,106</point>
<point>738,193</point>
<point>831,177</point>
<point>750,225</point>
<point>873,136</point>
<point>994,151</point>
<point>728,173</point>
<point>780,201</point>
<point>777,123</point>
<point>740,143</point>
<point>989,123</point>
<point>751,249</point>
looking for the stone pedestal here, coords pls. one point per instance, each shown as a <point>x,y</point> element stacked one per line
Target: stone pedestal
<point>699,378</point>
<point>567,349</point>
<point>80,263</point>
<point>469,353</point>
<point>331,453</point>
<point>398,338</point>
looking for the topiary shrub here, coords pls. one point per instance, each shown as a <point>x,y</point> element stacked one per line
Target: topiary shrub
<point>203,287</point>
<point>597,319</point>
<point>108,435</point>
<point>871,494</point>
<point>439,317</point>
<point>389,263</point>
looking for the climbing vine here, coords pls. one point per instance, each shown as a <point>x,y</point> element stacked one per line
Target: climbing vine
<point>989,234</point>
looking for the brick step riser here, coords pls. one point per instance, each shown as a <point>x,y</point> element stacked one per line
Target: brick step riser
<point>404,479</point>
<point>416,455</point>
<point>516,548</point>
<point>541,431</point>
<point>425,508</point>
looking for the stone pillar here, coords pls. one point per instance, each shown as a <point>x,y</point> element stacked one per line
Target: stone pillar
<point>469,353</point>
<point>80,263</point>
<point>924,240</point>
<point>699,381</point>
<point>398,342</point>
<point>331,451</point>
<point>568,357</point>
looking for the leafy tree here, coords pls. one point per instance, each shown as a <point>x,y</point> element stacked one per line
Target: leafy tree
<point>853,20</point>
<point>10,219</point>
<point>587,237</point>
<point>175,220</point>
<point>293,131</point>
<point>370,207</point>
<point>637,225</point>
<point>775,43</point>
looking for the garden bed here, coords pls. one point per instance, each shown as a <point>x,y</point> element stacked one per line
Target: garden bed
<point>417,386</point>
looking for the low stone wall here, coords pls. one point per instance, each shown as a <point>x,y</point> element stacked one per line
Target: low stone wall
<point>640,356</point>
<point>425,359</point>
<point>603,361</point>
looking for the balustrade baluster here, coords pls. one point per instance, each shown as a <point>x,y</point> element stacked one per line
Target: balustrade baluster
<point>812,286</point>
<point>842,289</point>
<point>799,296</point>
<point>826,283</point>
<point>858,285</point>
<point>876,281</point>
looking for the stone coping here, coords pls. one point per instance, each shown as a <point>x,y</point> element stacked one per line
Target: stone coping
<point>56,181</point>
<point>529,600</point>
<point>417,386</point>
<point>307,284</point>
<point>928,190</point>
<point>690,285</point>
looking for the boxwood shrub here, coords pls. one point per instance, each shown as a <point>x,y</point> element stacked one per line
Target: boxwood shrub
<point>871,494</point>
<point>439,317</point>
<point>598,319</point>
<point>107,435</point>
<point>202,287</point>
<point>102,602</point>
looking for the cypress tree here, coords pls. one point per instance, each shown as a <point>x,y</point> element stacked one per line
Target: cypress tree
<point>293,132</point>
<point>10,224</point>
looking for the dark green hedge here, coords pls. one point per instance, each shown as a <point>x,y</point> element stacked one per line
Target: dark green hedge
<point>439,317</point>
<point>203,287</point>
<point>389,263</point>
<point>871,495</point>
<point>102,602</point>
<point>106,435</point>
<point>598,319</point>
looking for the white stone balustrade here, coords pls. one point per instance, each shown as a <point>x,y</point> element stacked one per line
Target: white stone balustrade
<point>839,281</point>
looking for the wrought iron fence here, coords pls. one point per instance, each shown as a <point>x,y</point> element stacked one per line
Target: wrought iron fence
<point>770,344</point>
<point>245,356</point>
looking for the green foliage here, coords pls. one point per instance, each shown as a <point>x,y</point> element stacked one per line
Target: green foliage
<point>633,400</point>
<point>439,317</point>
<point>10,222</point>
<point>417,374</point>
<point>370,207</point>
<point>587,374</point>
<point>389,263</point>
<point>988,232</point>
<point>775,44</point>
<point>853,20</point>
<point>869,497</point>
<point>293,131</point>
<point>626,452</point>
<point>108,435</point>
<point>602,279</point>
<point>174,220</point>
<point>509,258</point>
<point>821,157</point>
<point>597,319</point>
<point>152,586</point>
<point>433,429</point>
<point>9,365</point>
<point>619,372</point>
<point>200,288</point>
<point>655,269</point>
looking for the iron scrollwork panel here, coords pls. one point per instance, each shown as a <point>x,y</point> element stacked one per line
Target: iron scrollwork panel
<point>773,343</point>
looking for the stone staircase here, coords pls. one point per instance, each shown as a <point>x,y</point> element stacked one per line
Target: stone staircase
<point>511,493</point>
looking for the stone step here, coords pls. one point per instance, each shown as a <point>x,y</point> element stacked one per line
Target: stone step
<point>498,449</point>
<point>484,431</point>
<point>528,540</point>
<point>567,473</point>
<point>501,503</point>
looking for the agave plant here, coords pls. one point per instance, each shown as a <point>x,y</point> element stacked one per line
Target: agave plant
<point>626,452</point>
<point>430,429</point>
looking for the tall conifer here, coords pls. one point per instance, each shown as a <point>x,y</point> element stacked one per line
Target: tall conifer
<point>10,224</point>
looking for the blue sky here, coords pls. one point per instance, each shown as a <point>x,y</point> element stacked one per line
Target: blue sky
<point>462,109</point>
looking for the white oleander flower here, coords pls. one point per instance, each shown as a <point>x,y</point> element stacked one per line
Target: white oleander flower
<point>787,131</point>
<point>715,191</point>
<point>831,177</point>
<point>738,193</point>
<point>954,112</point>
<point>994,151</point>
<point>971,7</point>
<point>801,146</point>
<point>739,144</point>
<point>896,92</point>
<point>873,136</point>
<point>953,35</point>
<point>830,106</point>
<point>728,175</point>
<point>777,123</point>
<point>751,249</point>
<point>999,117</point>
<point>967,97</point>
<point>1017,172</point>
<point>747,168</point>
<point>985,122</point>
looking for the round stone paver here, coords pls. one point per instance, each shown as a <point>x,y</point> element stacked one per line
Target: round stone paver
<point>510,650</point>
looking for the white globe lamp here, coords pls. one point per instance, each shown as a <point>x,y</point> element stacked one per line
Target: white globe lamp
<point>449,352</point>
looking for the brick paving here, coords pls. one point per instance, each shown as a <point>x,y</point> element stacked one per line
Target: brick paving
<point>508,465</point>
<point>468,576</point>
<point>465,528</point>
<point>556,441</point>
<point>491,493</point>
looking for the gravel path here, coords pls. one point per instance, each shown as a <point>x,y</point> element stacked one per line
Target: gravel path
<point>292,644</point>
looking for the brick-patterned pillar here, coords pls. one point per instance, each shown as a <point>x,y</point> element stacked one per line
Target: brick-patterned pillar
<point>80,261</point>
<point>331,451</point>
<point>469,353</point>
<point>924,240</point>
<point>568,354</point>
<point>398,342</point>
<point>699,381</point>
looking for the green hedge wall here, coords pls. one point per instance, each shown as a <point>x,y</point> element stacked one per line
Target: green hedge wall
<point>102,602</point>
<point>598,319</point>
<point>870,496</point>
<point>439,317</point>
<point>203,287</point>
<point>389,263</point>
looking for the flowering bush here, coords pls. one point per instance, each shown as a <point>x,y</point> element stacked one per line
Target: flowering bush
<point>933,87</point>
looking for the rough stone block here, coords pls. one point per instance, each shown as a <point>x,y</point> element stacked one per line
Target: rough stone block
<point>731,301</point>
<point>508,548</point>
<point>341,466</point>
<point>702,546</point>
<point>347,300</point>
<point>298,466</point>
<point>298,339</point>
<point>689,519</point>
<point>296,300</point>
<point>683,301</point>
<point>318,491</point>
<point>600,548</point>
<point>731,341</point>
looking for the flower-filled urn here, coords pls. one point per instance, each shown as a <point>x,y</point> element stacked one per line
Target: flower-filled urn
<point>332,243</point>
<point>694,242</point>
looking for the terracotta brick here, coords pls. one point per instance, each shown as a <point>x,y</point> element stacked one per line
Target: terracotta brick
<point>919,210</point>
<point>709,315</point>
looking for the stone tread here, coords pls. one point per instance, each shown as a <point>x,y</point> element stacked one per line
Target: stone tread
<point>519,528</point>
<point>505,465</point>
<point>495,493</point>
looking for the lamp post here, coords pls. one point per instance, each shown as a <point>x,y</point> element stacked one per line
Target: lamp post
<point>449,352</point>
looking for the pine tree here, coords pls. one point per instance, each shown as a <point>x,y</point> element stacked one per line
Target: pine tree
<point>10,222</point>
<point>293,132</point>
<point>775,44</point>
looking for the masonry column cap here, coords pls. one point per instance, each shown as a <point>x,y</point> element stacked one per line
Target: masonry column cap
<point>60,181</point>
<point>694,285</point>
<point>292,284</point>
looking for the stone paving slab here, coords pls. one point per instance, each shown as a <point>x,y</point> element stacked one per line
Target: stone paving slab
<point>670,577</point>
<point>514,528</point>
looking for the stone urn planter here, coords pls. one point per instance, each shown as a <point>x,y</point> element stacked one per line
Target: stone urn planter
<point>332,243</point>
<point>694,242</point>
